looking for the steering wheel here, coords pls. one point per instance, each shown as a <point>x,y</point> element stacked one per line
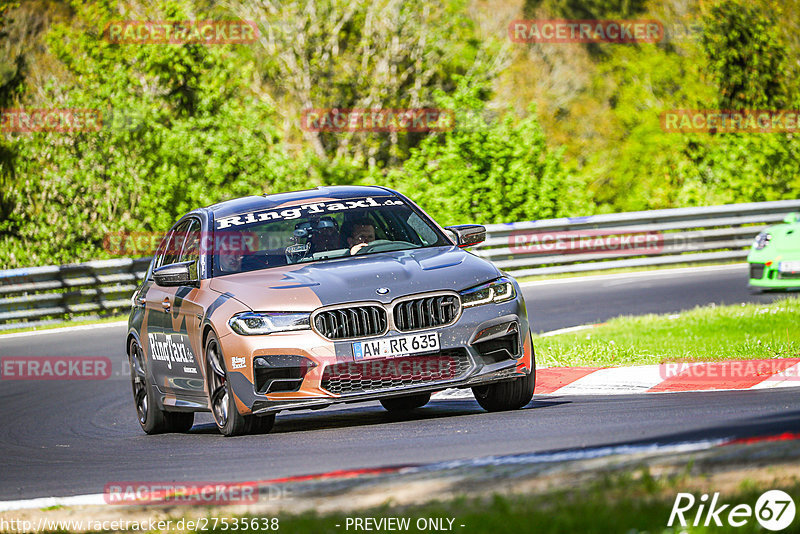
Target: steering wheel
<point>384,245</point>
<point>297,253</point>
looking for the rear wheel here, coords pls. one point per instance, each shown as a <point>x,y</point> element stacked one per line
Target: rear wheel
<point>406,404</point>
<point>223,406</point>
<point>152,419</point>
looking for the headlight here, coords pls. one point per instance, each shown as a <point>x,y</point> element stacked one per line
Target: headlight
<point>252,323</point>
<point>762,240</point>
<point>499,290</point>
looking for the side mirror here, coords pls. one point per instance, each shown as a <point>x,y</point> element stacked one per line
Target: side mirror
<point>176,274</point>
<point>792,218</point>
<point>467,235</point>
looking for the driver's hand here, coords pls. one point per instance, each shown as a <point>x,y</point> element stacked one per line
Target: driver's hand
<point>356,248</point>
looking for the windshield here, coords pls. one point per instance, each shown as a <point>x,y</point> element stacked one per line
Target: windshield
<point>318,231</point>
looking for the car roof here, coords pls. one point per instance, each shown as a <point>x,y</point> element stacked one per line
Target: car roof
<point>253,202</point>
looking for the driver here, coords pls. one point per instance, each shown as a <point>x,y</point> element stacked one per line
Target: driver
<point>230,258</point>
<point>362,233</point>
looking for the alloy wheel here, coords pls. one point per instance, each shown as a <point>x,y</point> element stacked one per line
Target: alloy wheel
<point>139,382</point>
<point>219,397</point>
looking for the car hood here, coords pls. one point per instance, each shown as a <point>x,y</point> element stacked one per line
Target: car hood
<point>304,287</point>
<point>785,244</point>
<point>787,234</point>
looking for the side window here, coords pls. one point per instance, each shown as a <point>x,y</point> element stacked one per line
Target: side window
<point>191,247</point>
<point>149,274</point>
<point>175,243</point>
<point>161,250</point>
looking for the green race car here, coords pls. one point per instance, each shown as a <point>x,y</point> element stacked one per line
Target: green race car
<point>775,256</point>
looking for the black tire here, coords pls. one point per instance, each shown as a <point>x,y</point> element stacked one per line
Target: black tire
<point>223,406</point>
<point>152,419</point>
<point>509,394</point>
<point>261,424</point>
<point>407,403</point>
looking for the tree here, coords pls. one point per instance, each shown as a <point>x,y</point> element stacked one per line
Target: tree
<point>489,171</point>
<point>748,60</point>
<point>11,87</point>
<point>365,54</point>
<point>746,57</point>
<point>182,128</point>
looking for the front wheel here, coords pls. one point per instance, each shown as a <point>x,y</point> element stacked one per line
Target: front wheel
<point>223,406</point>
<point>261,424</point>
<point>507,395</point>
<point>152,419</point>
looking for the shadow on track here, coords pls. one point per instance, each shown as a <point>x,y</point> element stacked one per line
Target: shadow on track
<point>351,417</point>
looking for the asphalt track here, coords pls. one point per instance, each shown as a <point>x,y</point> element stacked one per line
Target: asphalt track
<point>60,438</point>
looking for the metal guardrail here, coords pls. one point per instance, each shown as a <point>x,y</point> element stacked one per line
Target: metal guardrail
<point>40,295</point>
<point>672,236</point>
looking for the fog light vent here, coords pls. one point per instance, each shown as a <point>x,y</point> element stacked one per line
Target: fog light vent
<point>280,372</point>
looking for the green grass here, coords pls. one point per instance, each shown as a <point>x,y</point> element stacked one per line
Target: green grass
<point>709,333</point>
<point>628,502</point>
<point>63,324</point>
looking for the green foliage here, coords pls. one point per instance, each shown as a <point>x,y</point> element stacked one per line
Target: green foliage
<point>747,58</point>
<point>643,166</point>
<point>181,129</point>
<point>364,54</point>
<point>189,125</point>
<point>740,167</point>
<point>588,9</point>
<point>738,62</point>
<point>11,78</point>
<point>489,172</point>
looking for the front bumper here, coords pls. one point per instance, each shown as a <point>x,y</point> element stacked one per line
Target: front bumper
<point>767,275</point>
<point>476,377</point>
<point>479,343</point>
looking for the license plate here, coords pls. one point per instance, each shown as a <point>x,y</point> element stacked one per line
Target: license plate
<point>389,347</point>
<point>789,266</point>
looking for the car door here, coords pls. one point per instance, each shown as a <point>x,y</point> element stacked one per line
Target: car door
<point>185,317</point>
<point>167,352</point>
